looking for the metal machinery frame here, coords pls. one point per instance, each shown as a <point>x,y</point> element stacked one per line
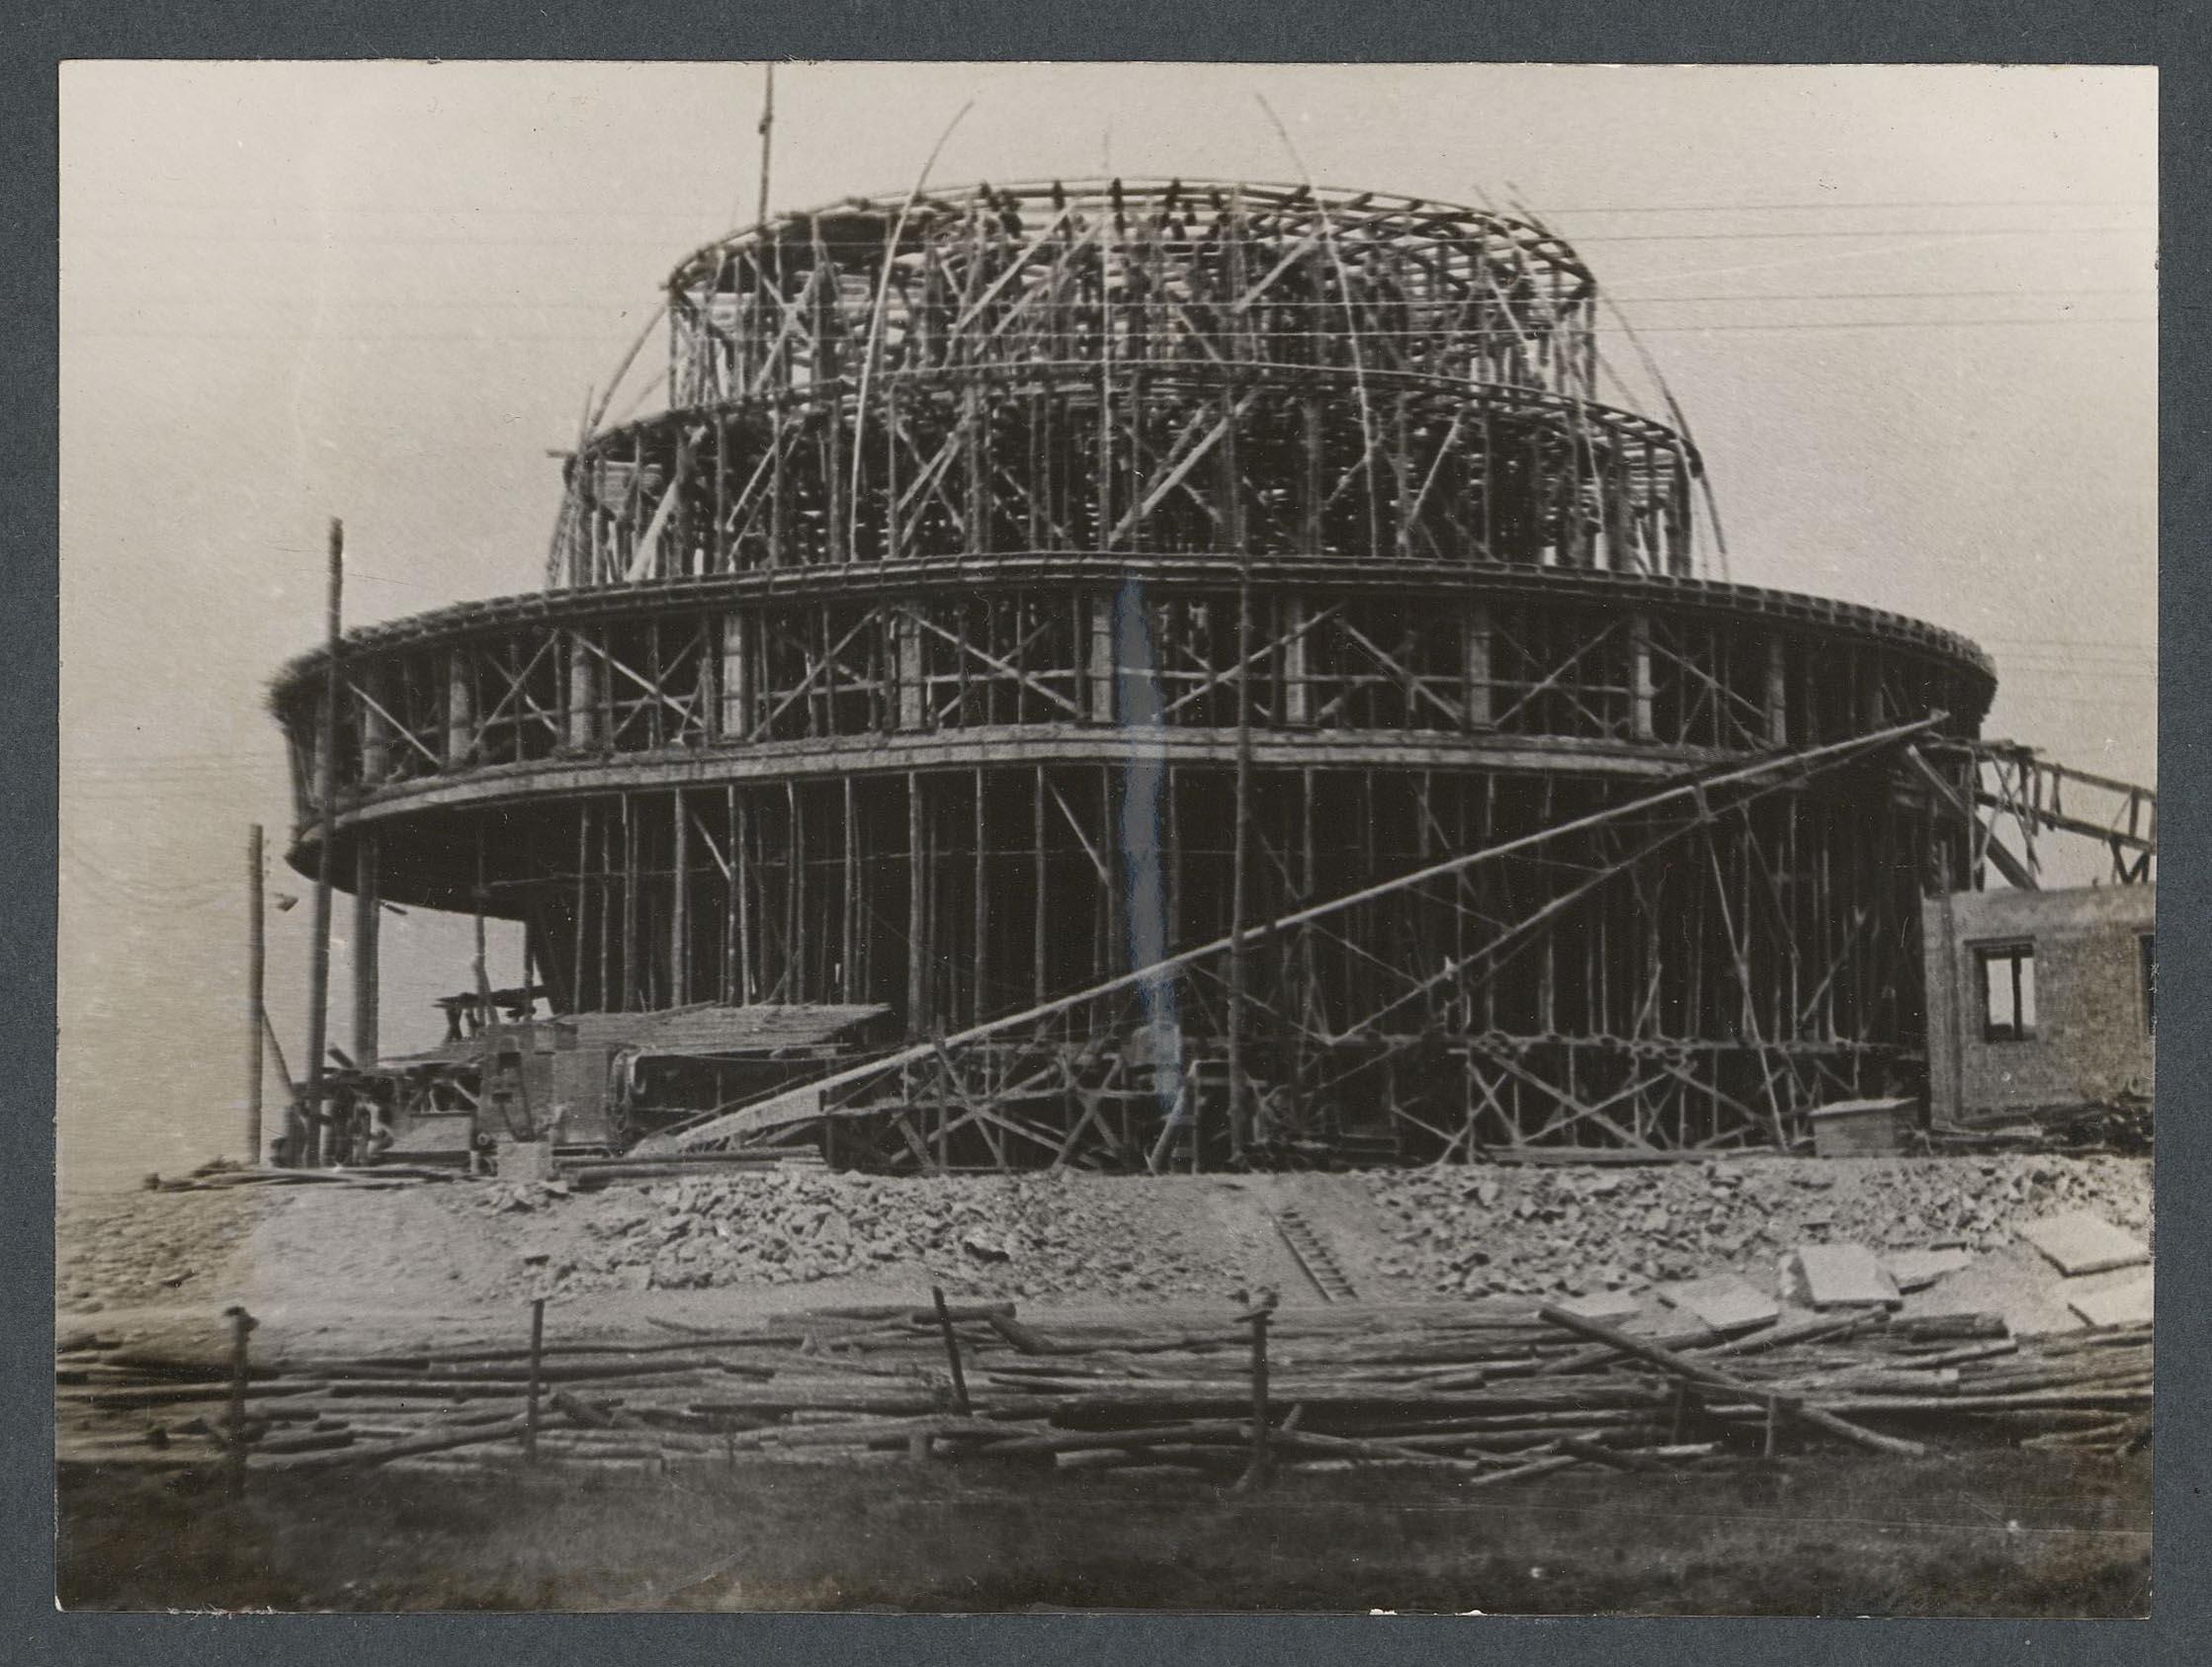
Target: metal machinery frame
<point>1026,585</point>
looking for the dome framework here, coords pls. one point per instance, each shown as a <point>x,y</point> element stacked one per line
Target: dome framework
<point>1027,585</point>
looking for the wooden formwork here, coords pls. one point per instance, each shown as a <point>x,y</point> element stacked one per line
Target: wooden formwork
<point>1025,585</point>
<point>1130,367</point>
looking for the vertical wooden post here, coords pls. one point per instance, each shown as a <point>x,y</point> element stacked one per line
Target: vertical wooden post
<point>603,886</point>
<point>740,865</point>
<point>978,1002</point>
<point>849,924</point>
<point>1102,658</point>
<point>583,693</point>
<point>734,691</point>
<point>918,917</point>
<point>490,1028</point>
<point>234,1446</point>
<point>827,371</point>
<point>582,905</point>
<point>1172,847</point>
<point>537,1354</point>
<point>767,130</point>
<point>257,961</point>
<point>1256,1474</point>
<point>368,916</point>
<point>1777,694</point>
<point>1238,854</point>
<point>1478,651</point>
<point>952,1353</point>
<point>320,1135</point>
<point>630,984</point>
<point>460,706</point>
<point>1038,876</point>
<point>790,974</point>
<point>1298,704</point>
<point>976,428</point>
<point>1113,933</point>
<point>906,654</point>
<point>1643,691</point>
<point>730,982</point>
<point>583,863</point>
<point>1402,468</point>
<point>375,733</point>
<point>1310,500</point>
<point>679,905</point>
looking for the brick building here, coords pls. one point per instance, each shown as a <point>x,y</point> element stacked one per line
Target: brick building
<point>2038,999</point>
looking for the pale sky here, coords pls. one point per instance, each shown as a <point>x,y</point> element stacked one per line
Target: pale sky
<point>1908,312</point>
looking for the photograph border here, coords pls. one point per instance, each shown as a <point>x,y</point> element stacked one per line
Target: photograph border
<point>2120,32</point>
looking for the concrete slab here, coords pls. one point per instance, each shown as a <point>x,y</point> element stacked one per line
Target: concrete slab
<point>1916,1270</point>
<point>1723,1302</point>
<point>1603,1305</point>
<point>2012,1281</point>
<point>2115,1304</point>
<point>2083,1242</point>
<point>1838,1276</point>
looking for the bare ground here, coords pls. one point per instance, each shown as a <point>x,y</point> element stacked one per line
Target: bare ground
<point>2007,1532</point>
<point>1992,1535</point>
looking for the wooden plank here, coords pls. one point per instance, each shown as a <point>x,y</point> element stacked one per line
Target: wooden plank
<point>1698,1373</point>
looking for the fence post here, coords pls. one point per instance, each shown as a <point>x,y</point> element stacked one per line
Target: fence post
<point>241,1327</point>
<point>952,1353</point>
<point>1776,1405</point>
<point>1257,1473</point>
<point>536,1350</point>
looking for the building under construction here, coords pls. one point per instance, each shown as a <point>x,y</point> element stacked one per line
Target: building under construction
<point>1141,672</point>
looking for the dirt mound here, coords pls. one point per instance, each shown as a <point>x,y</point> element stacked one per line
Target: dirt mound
<point>116,1249</point>
<point>1536,1231</point>
<point>1022,1235</point>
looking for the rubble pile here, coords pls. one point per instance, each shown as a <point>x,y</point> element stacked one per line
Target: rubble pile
<point>1022,1235</point>
<point>1574,1231</point>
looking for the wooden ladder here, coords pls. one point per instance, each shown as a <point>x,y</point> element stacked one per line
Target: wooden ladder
<point>1313,1256</point>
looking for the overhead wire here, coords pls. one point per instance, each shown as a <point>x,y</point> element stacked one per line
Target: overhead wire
<point>694,214</point>
<point>1825,208</point>
<point>503,304</point>
<point>1734,328</point>
<point>324,240</point>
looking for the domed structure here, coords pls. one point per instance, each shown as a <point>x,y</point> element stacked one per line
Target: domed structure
<point>1026,585</point>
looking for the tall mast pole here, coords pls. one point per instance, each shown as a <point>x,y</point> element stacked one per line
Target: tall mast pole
<point>1233,511</point>
<point>257,960</point>
<point>1239,1094</point>
<point>767,133</point>
<point>1239,1038</point>
<point>318,1136</point>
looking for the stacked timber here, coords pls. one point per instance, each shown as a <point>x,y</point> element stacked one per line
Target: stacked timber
<point>591,1174</point>
<point>220,1177</point>
<point>1488,1394</point>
